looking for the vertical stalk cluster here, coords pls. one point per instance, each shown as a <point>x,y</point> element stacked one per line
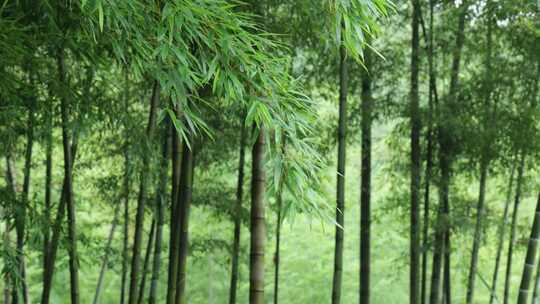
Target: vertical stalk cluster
<point>141,200</point>
<point>501,234</point>
<point>513,226</point>
<point>160,205</point>
<point>68,184</point>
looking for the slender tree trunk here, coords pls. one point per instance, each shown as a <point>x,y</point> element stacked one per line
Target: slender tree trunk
<point>276,254</point>
<point>160,214</point>
<point>106,254</point>
<point>425,232</point>
<point>72,239</point>
<point>501,237</point>
<point>48,272</point>
<point>126,190</point>
<point>415,159</point>
<point>477,231</point>
<point>484,161</point>
<point>11,174</point>
<point>340,190</point>
<point>174,239</point>
<point>69,201</point>
<point>365,185</point>
<point>125,240</point>
<point>535,299</point>
<point>427,186</point>
<point>70,204</point>
<point>513,225</point>
<point>141,200</point>
<point>441,250</point>
<point>7,277</point>
<point>530,258</point>
<point>237,216</point>
<point>184,205</point>
<point>48,185</point>
<point>456,60</point>
<point>257,226</point>
<point>12,185</point>
<point>146,263</point>
<point>433,98</point>
<point>20,209</point>
<point>279,200</point>
<point>447,281</point>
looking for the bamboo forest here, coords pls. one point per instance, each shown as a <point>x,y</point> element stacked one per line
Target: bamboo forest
<point>269,151</point>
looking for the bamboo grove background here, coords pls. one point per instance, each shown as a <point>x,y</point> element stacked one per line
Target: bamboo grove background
<point>213,151</point>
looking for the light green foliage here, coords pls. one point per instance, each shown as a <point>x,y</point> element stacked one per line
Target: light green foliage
<point>267,65</point>
<point>357,23</point>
